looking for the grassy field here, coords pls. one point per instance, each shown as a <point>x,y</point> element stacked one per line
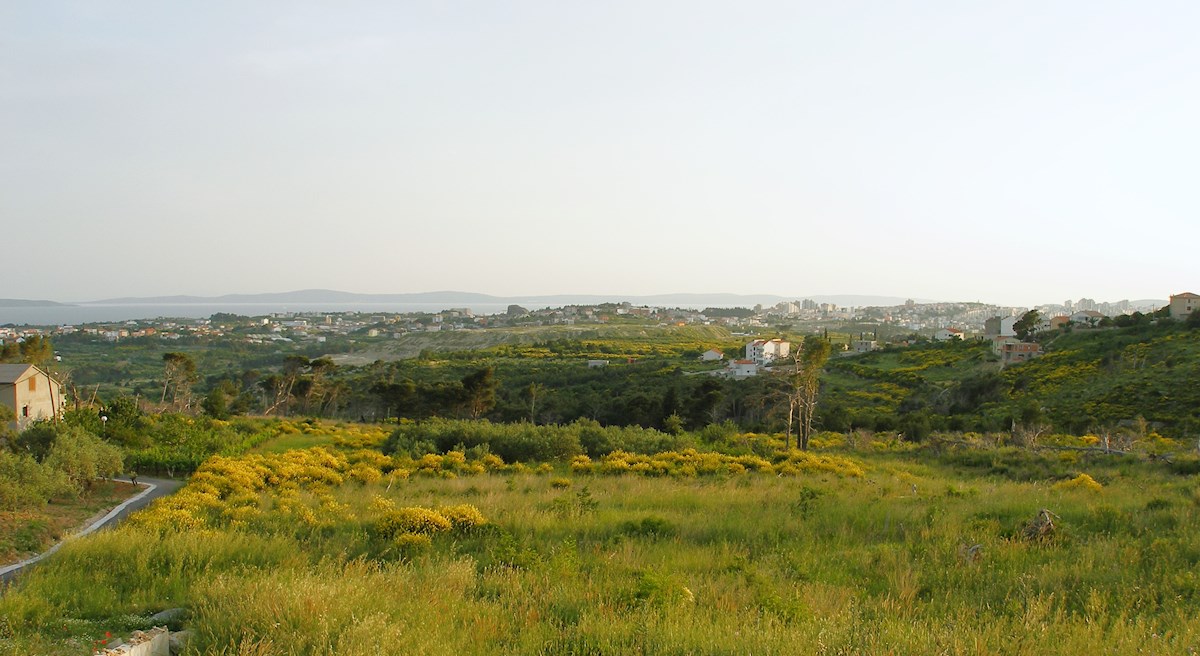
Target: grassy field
<point>874,549</point>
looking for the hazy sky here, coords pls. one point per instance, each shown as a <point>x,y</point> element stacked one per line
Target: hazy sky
<point>1010,152</point>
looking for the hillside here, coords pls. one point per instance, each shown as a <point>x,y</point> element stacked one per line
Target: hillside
<point>1104,377</point>
<point>1088,380</point>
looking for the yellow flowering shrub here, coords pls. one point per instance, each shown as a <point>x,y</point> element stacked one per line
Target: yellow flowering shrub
<point>228,491</point>
<point>382,504</point>
<point>492,462</point>
<point>827,440</point>
<point>799,462</point>
<point>691,463</point>
<point>412,542</point>
<point>430,462</point>
<point>463,517</point>
<point>582,464</point>
<point>365,473</point>
<point>368,457</point>
<point>1080,482</point>
<point>358,436</point>
<point>412,520</point>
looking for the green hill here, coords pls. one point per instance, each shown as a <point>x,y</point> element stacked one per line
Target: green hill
<point>1087,380</point>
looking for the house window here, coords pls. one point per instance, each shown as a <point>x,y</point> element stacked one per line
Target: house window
<point>24,411</point>
<point>33,384</point>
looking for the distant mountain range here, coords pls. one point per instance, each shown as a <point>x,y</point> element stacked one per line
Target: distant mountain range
<point>310,296</point>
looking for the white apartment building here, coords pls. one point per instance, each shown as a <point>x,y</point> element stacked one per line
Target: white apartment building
<point>764,351</point>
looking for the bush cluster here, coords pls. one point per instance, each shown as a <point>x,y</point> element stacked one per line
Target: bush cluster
<point>225,491</point>
<point>176,444</point>
<point>395,522</point>
<point>27,483</point>
<point>1080,482</point>
<point>691,463</point>
<point>525,442</point>
<point>54,460</point>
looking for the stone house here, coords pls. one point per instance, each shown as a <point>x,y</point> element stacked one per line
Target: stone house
<point>1182,305</point>
<point>30,393</point>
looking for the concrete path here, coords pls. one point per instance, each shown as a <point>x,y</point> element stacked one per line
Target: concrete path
<point>155,488</point>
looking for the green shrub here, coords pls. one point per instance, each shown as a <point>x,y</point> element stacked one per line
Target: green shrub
<point>83,457</point>
<point>26,483</point>
<point>655,527</point>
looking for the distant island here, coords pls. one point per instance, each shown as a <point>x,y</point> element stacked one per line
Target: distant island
<point>26,303</point>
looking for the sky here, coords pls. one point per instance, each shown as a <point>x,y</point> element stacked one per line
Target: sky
<point>1008,152</point>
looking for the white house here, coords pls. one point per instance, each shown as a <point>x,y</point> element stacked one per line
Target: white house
<point>741,368</point>
<point>1053,323</point>
<point>764,351</point>
<point>1182,305</point>
<point>1086,317</point>
<point>712,355</point>
<point>30,393</point>
<point>864,345</point>
<point>948,333</point>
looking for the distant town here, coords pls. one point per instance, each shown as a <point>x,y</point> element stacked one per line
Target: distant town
<point>869,327</point>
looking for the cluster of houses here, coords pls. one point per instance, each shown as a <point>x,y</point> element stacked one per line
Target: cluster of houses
<point>1001,331</point>
<point>759,353</point>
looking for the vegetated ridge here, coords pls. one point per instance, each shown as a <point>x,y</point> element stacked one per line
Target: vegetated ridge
<point>1088,379</point>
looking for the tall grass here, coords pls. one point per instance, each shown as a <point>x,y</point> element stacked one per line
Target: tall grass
<point>909,557</point>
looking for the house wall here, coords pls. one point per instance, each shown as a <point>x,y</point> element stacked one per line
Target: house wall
<point>999,343</point>
<point>1000,326</point>
<point>764,351</point>
<point>782,348</point>
<point>742,369</point>
<point>1020,352</point>
<point>43,402</point>
<point>1183,305</point>
<point>8,398</point>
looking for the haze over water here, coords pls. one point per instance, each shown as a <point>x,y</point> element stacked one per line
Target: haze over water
<point>80,314</point>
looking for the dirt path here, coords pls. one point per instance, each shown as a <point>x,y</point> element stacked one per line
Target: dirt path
<point>155,488</point>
